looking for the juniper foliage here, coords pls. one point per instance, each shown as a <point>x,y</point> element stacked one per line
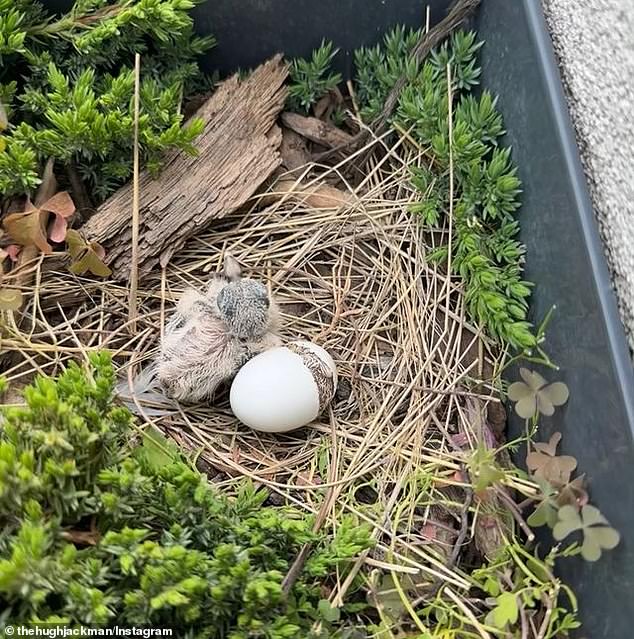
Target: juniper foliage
<point>486,252</point>
<point>310,79</point>
<point>67,85</point>
<point>92,532</point>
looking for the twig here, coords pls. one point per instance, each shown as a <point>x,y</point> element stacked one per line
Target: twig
<point>512,506</point>
<point>459,11</point>
<point>353,97</point>
<point>546,621</point>
<point>298,565</point>
<point>451,193</point>
<point>134,267</point>
<point>481,631</point>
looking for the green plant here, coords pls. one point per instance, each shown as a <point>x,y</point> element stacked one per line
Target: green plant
<point>562,502</point>
<point>310,79</point>
<point>533,395</point>
<point>485,251</point>
<point>95,530</point>
<point>67,84</point>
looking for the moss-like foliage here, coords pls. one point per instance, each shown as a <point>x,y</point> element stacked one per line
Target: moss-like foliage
<point>95,531</point>
<point>67,82</point>
<point>485,252</point>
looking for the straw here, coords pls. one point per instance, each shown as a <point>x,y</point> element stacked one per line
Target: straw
<point>356,279</point>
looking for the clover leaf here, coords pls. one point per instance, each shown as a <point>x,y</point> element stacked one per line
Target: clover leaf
<point>546,464</point>
<point>535,395</point>
<point>546,511</point>
<point>598,535</point>
<point>505,612</point>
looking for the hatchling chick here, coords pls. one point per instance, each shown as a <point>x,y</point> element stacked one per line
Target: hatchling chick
<point>212,334</point>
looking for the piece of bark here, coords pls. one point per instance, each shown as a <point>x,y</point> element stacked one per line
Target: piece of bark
<point>294,149</point>
<point>318,196</point>
<point>238,152</point>
<point>315,130</point>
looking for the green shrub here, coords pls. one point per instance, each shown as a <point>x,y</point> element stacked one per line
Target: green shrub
<point>486,252</point>
<point>310,79</point>
<point>67,85</point>
<point>93,530</point>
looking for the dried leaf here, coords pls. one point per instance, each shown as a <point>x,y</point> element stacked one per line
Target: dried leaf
<point>82,537</point>
<point>28,228</point>
<point>546,464</point>
<point>88,257</point>
<point>323,104</point>
<point>48,185</point>
<point>62,207</point>
<point>10,299</point>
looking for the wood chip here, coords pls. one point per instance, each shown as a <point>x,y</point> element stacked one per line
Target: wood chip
<point>295,153</point>
<point>316,130</point>
<point>238,152</point>
<point>317,196</point>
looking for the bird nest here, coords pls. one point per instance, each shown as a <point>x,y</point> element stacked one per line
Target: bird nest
<point>353,275</point>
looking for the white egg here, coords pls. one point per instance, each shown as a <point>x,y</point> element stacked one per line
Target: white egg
<point>284,388</point>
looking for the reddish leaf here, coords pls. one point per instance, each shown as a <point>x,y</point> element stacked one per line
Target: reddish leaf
<point>28,228</point>
<point>60,204</point>
<point>62,207</point>
<point>57,230</point>
<point>551,447</point>
<point>13,250</point>
<point>546,464</point>
<point>574,493</point>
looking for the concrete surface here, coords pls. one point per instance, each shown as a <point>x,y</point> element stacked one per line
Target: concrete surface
<point>594,41</point>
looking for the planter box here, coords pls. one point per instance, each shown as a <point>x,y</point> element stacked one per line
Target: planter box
<point>564,258</point>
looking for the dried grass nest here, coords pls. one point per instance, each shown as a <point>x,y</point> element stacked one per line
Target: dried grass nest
<point>415,394</point>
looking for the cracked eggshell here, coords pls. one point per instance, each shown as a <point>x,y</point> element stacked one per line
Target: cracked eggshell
<point>284,388</point>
